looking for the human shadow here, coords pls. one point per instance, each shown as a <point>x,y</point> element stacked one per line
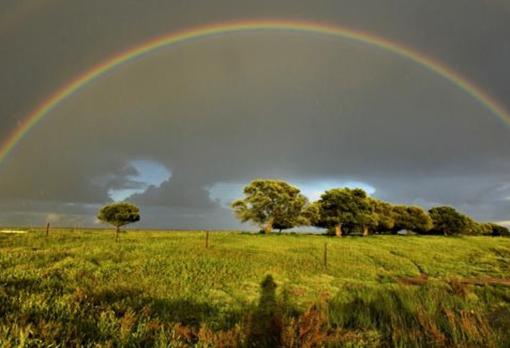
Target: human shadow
<point>266,322</point>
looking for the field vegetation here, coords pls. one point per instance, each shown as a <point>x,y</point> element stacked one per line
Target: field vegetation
<point>167,289</point>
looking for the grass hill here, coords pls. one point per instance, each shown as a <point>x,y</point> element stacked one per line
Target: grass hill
<point>166,289</point>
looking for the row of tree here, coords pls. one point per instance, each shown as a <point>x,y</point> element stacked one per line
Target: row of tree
<point>275,204</point>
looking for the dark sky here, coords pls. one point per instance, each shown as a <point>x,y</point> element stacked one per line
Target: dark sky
<point>181,130</point>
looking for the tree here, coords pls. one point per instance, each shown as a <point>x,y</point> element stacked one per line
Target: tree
<point>476,228</point>
<point>338,207</point>
<point>384,215</point>
<point>411,218</point>
<point>448,221</point>
<point>312,213</point>
<point>118,215</point>
<point>272,204</point>
<point>498,230</point>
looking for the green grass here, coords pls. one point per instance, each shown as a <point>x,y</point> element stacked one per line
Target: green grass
<point>166,289</point>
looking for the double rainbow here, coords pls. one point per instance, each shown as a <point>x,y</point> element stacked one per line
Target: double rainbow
<point>241,26</point>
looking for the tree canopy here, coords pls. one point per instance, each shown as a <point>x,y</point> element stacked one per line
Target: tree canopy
<point>411,218</point>
<point>448,221</point>
<point>275,204</point>
<point>118,215</point>
<point>344,206</point>
<point>384,216</point>
<point>272,204</point>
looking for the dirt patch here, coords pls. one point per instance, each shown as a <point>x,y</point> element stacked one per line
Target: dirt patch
<point>486,281</point>
<point>422,279</point>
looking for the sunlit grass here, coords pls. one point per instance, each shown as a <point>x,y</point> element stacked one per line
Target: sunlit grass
<point>81,287</point>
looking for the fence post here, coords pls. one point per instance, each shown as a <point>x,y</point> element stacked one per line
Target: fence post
<point>206,239</point>
<point>47,229</point>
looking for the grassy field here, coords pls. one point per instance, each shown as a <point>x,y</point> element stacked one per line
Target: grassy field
<point>166,289</point>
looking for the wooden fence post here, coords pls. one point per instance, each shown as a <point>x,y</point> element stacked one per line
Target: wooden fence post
<point>47,229</point>
<point>206,239</point>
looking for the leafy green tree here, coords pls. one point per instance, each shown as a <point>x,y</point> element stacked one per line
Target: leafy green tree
<point>272,204</point>
<point>344,206</point>
<point>118,215</point>
<point>412,219</point>
<point>312,213</point>
<point>448,221</point>
<point>483,228</point>
<point>498,230</point>
<point>475,228</point>
<point>384,215</point>
<point>487,229</point>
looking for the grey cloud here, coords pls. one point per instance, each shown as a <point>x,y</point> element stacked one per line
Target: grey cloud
<point>177,192</point>
<point>232,108</point>
<point>483,197</point>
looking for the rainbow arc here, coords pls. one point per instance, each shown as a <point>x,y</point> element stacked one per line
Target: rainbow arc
<point>209,30</point>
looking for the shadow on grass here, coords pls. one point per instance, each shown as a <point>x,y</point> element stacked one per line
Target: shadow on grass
<point>265,329</point>
<point>263,323</point>
<point>124,315</point>
<point>185,312</point>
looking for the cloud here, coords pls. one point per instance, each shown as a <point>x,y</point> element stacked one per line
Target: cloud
<point>177,192</point>
<point>504,223</point>
<point>218,113</point>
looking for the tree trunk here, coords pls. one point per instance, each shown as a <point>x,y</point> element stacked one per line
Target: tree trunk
<point>338,230</point>
<point>117,230</point>
<point>365,231</point>
<point>269,227</point>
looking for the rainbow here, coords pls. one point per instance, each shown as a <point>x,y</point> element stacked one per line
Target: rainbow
<point>209,30</point>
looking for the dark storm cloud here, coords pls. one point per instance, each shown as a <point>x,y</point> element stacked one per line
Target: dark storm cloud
<point>44,43</point>
<point>485,197</point>
<point>177,192</point>
<point>230,109</point>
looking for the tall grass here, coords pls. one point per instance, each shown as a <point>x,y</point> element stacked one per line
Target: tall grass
<point>167,289</point>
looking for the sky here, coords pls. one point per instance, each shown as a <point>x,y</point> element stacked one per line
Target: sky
<point>181,130</point>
